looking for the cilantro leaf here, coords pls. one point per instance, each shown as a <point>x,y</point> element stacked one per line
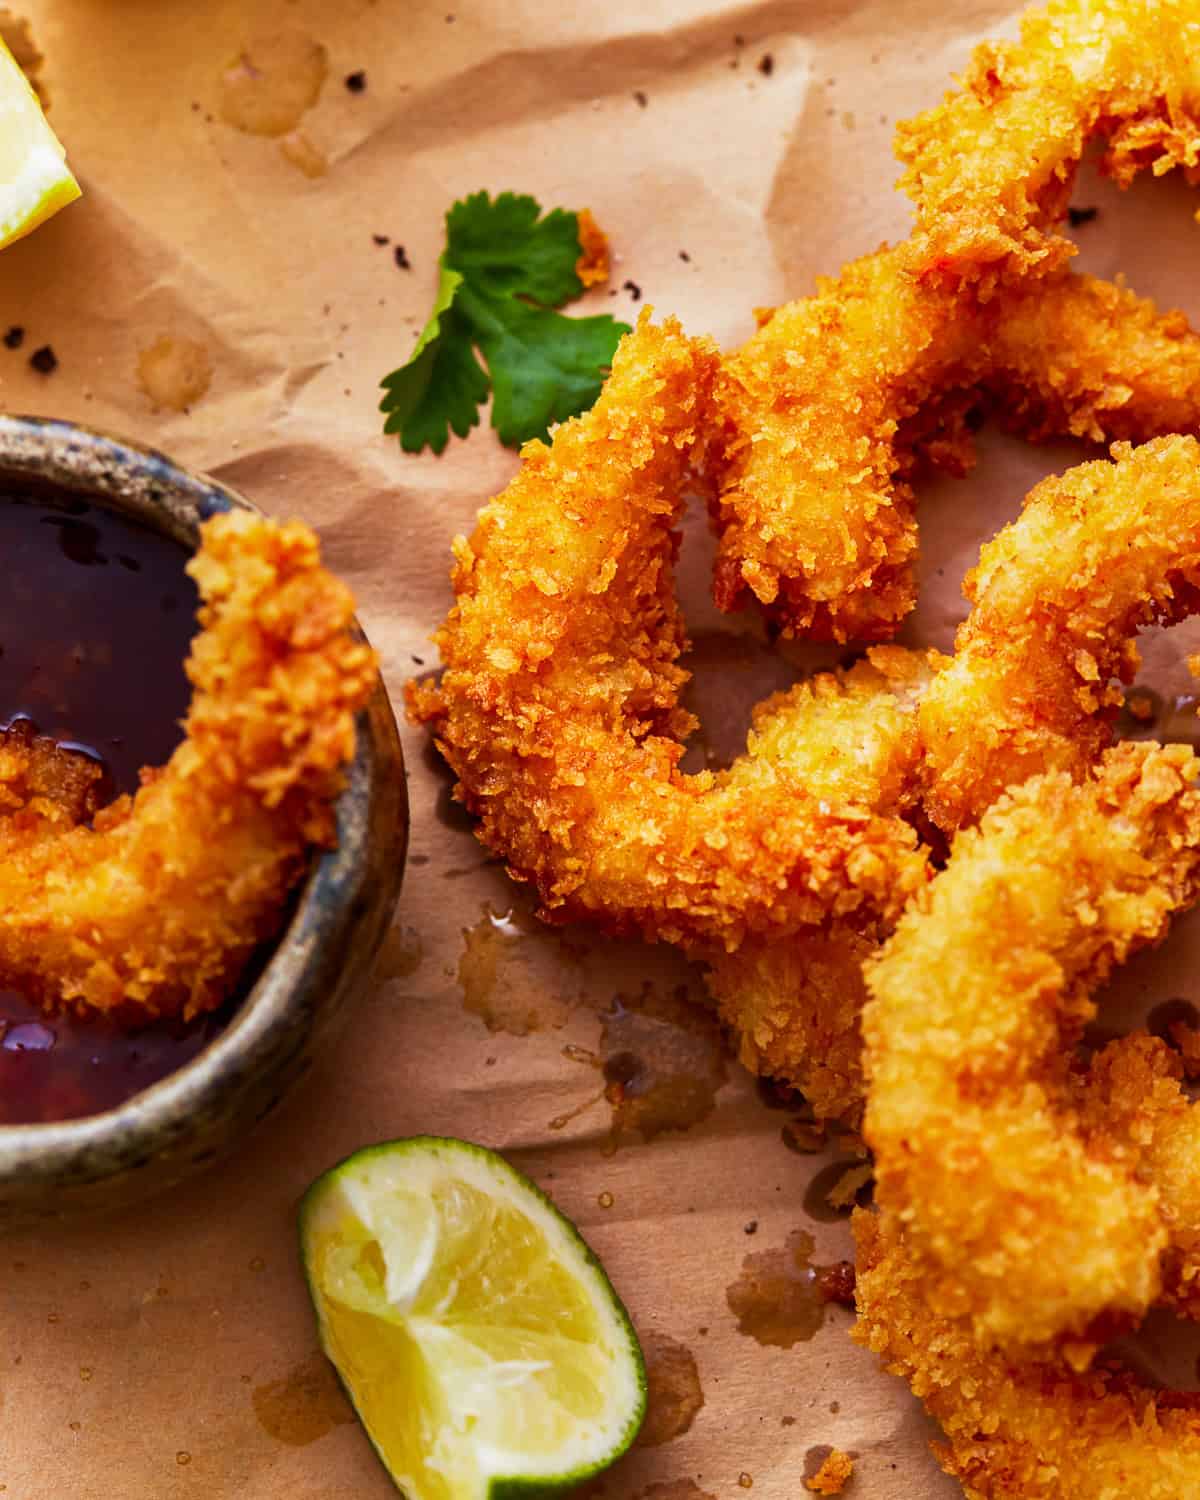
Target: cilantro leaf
<point>441,386</point>
<point>505,270</point>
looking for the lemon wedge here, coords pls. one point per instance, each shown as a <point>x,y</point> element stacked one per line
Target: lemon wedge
<point>35,181</point>
<point>483,1347</point>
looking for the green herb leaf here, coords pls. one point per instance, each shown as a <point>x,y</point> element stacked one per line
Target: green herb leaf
<point>505,270</point>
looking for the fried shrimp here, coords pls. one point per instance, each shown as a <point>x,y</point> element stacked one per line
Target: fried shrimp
<point>160,903</point>
<point>822,416</point>
<point>1057,597</point>
<point>992,167</point>
<point>975,1002</point>
<point>559,704</point>
<point>794,1004</point>
<point>1037,1430</point>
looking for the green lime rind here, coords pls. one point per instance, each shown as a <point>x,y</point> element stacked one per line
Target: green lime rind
<point>586,1266</point>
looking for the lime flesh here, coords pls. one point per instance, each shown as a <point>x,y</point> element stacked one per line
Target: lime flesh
<point>482,1345</point>
<point>35,181</point>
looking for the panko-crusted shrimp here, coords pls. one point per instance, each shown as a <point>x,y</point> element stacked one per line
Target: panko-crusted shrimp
<point>559,705</point>
<point>991,168</point>
<point>158,905</point>
<point>1032,1429</point>
<point>823,414</point>
<point>1057,598</point>
<point>975,1003</point>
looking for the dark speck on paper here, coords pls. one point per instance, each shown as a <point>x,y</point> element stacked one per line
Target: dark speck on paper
<point>633,289</point>
<point>356,82</point>
<point>402,260</point>
<point>1078,216</point>
<point>15,337</point>
<point>44,360</point>
<point>766,65</point>
<point>641,98</point>
<point>381,239</point>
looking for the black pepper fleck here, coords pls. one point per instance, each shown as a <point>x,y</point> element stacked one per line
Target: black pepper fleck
<point>683,255</point>
<point>356,82</point>
<point>382,239</point>
<point>1078,216</point>
<point>44,360</point>
<point>739,41</point>
<point>402,259</point>
<point>15,337</point>
<point>633,289</point>
<point>751,1228</point>
<point>641,98</point>
<point>766,65</point>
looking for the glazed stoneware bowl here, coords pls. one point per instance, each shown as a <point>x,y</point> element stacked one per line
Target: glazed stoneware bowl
<point>311,975</point>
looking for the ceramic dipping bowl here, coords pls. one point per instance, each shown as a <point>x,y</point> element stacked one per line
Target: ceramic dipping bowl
<point>310,975</point>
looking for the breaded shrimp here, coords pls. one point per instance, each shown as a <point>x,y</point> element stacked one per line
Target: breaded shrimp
<point>794,1004</point>
<point>991,168</point>
<point>975,1002</point>
<point>822,415</point>
<point>559,706</point>
<point>158,906</point>
<point>1031,1430</point>
<point>1057,597</point>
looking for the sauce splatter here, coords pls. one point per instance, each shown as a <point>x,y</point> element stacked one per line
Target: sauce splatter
<point>402,953</point>
<point>303,1406</point>
<point>779,1299</point>
<point>173,372</point>
<point>673,1393</point>
<point>274,80</point>
<point>664,1063</point>
<point>511,973</point>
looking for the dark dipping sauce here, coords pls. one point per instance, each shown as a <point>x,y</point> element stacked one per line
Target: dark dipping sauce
<point>96,615</point>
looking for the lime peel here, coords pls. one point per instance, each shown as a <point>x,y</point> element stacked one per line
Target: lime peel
<point>479,1340</point>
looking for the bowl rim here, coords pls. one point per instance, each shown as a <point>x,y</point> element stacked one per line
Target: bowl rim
<point>134,479</point>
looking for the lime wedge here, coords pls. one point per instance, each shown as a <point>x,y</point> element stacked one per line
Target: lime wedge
<point>35,181</point>
<point>480,1341</point>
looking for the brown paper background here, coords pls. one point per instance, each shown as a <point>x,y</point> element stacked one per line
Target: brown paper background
<point>166,1332</point>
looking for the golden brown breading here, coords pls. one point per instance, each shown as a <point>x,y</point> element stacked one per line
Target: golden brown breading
<point>159,906</point>
<point>991,168</point>
<point>1057,597</point>
<point>974,1003</point>
<point>794,1004</point>
<point>823,413</point>
<point>1019,1431</point>
<point>559,706</point>
<point>835,1473</point>
<point>1133,1109</point>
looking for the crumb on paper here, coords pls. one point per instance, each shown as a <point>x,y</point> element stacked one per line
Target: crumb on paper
<point>400,256</point>
<point>1140,705</point>
<point>766,65</point>
<point>15,337</point>
<point>174,372</point>
<point>592,267</point>
<point>356,82</point>
<point>845,1190</point>
<point>44,360</point>
<point>633,289</point>
<point>1079,216</point>
<point>833,1475</point>
<point>296,148</point>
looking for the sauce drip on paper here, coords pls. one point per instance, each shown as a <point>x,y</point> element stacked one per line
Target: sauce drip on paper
<point>95,621</point>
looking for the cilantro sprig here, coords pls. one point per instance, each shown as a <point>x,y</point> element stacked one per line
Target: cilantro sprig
<point>505,271</point>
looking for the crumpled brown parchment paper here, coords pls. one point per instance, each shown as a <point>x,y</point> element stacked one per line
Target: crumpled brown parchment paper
<point>171,1353</point>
